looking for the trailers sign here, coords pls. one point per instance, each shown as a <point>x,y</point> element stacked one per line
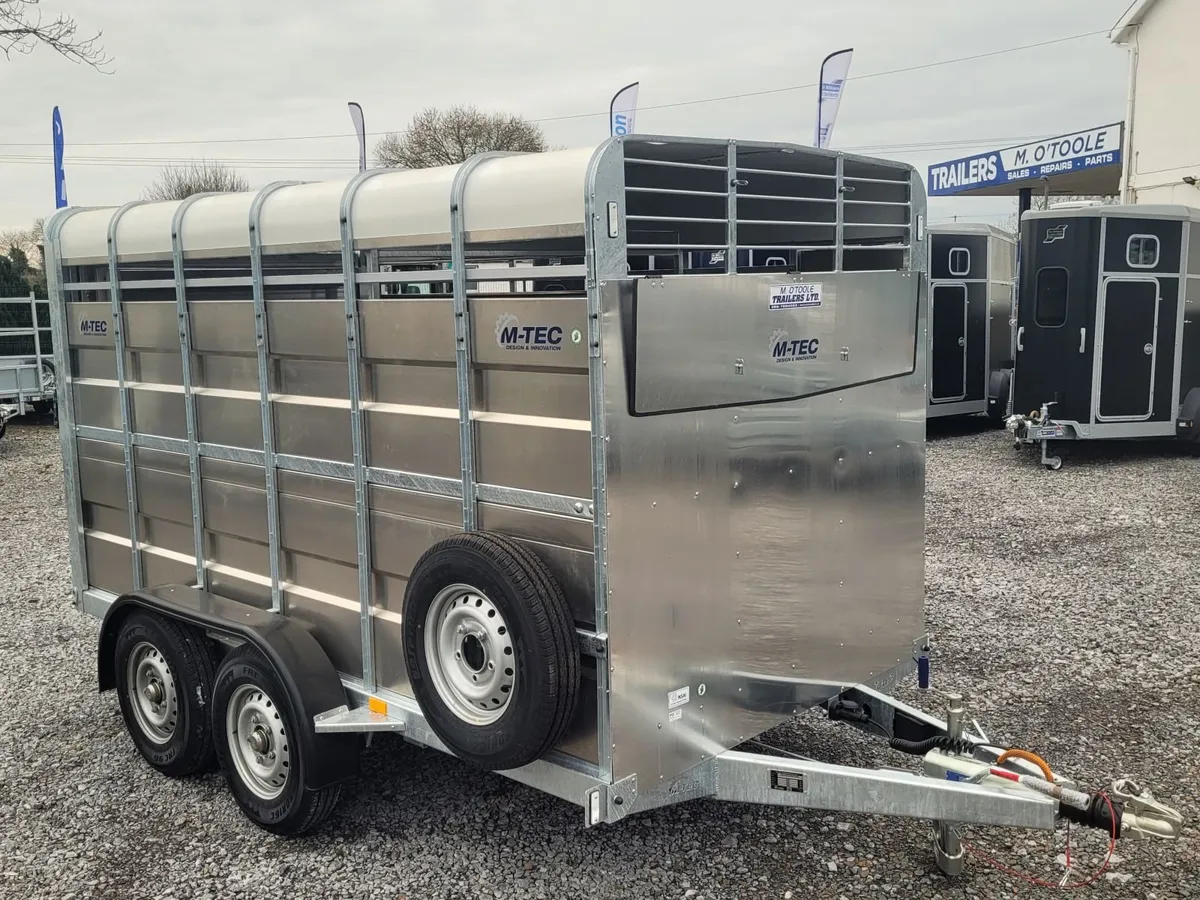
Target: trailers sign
<point>1067,153</point>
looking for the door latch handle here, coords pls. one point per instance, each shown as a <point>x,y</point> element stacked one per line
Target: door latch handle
<point>1020,334</point>
<point>1082,339</point>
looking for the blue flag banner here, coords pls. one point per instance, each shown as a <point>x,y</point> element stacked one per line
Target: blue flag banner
<point>835,69</point>
<point>622,110</point>
<point>60,178</point>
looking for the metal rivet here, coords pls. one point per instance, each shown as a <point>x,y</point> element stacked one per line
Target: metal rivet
<point>578,507</point>
<point>655,503</point>
<point>697,495</point>
<point>660,724</point>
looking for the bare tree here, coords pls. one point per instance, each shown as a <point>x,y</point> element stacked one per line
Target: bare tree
<point>444,137</point>
<point>178,182</point>
<point>23,27</point>
<point>27,240</point>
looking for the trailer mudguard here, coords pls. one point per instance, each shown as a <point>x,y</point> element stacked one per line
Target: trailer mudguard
<point>311,681</point>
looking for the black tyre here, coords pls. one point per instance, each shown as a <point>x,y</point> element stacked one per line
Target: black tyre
<point>491,650</point>
<point>259,747</point>
<point>998,390</point>
<point>164,677</point>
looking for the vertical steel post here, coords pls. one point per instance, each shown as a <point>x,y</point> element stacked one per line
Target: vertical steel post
<point>731,213</point>
<point>37,339</point>
<point>127,423</point>
<point>839,258</point>
<point>605,256</point>
<point>261,339</point>
<point>60,333</point>
<point>462,332</point>
<point>189,396</point>
<point>357,431</point>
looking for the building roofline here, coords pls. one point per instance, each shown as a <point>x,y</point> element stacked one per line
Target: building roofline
<point>1128,23</point>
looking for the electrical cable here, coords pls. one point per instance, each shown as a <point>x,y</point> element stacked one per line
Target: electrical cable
<point>1041,882</point>
<point>1014,753</point>
<point>681,103</point>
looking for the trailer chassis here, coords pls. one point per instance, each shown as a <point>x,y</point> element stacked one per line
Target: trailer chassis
<point>958,783</point>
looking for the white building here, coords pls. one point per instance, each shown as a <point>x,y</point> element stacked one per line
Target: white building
<point>1162,121</point>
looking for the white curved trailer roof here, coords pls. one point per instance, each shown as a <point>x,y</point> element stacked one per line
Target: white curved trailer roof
<point>537,192</point>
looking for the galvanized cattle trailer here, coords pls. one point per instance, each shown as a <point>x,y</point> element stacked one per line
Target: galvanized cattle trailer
<point>595,532</point>
<point>972,272</point>
<point>27,375</point>
<point>1108,336</point>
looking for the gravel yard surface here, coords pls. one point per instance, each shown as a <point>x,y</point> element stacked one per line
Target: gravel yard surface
<point>1064,603</point>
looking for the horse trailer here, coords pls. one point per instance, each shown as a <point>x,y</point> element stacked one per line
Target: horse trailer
<point>972,271</point>
<point>597,537</point>
<point>1108,326</point>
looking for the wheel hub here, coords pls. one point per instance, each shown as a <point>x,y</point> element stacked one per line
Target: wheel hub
<point>154,692</point>
<point>150,687</point>
<point>258,741</point>
<point>469,651</point>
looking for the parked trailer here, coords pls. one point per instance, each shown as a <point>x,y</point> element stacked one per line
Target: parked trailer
<point>595,539</point>
<point>1108,336</point>
<point>972,272</point>
<point>27,374</point>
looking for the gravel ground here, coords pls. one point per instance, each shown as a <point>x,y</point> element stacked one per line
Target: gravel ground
<point>1064,603</point>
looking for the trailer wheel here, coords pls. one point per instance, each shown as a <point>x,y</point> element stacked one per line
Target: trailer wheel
<point>998,389</point>
<point>491,650</point>
<point>259,748</point>
<point>164,682</point>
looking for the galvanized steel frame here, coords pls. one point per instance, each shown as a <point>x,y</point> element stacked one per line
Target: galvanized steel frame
<point>462,332</point>
<point>599,192</point>
<point>840,233</point>
<point>731,199</point>
<point>127,424</point>
<point>189,396</point>
<point>66,407</point>
<point>262,341</point>
<point>357,435</point>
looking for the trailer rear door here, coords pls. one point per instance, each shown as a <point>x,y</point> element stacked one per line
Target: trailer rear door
<point>1128,340</point>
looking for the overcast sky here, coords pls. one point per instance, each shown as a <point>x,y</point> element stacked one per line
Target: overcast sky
<point>194,74</point>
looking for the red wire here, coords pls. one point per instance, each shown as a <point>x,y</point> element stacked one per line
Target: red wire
<point>1040,882</point>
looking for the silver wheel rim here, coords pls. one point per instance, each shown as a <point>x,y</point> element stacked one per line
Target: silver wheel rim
<point>150,689</point>
<point>469,651</point>
<point>258,742</point>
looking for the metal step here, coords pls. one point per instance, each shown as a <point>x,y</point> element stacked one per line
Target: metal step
<point>344,719</point>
